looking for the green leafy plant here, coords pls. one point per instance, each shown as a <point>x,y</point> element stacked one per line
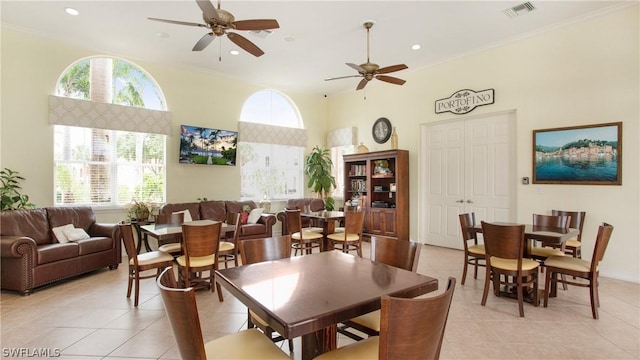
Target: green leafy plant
<point>12,199</point>
<point>317,167</point>
<point>139,210</point>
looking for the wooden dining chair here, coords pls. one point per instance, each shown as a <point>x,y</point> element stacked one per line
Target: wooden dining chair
<point>265,249</point>
<point>139,263</point>
<point>572,247</point>
<point>351,238</point>
<point>411,329</point>
<point>541,253</point>
<point>229,247</point>
<point>504,246</point>
<point>397,253</point>
<point>474,253</point>
<point>173,246</point>
<point>200,242</point>
<point>301,240</point>
<point>182,312</point>
<point>578,268</point>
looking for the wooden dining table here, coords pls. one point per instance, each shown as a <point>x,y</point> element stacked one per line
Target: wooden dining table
<point>307,296</point>
<point>170,231</point>
<point>328,219</point>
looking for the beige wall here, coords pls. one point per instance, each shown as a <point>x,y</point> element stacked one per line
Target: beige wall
<point>582,73</point>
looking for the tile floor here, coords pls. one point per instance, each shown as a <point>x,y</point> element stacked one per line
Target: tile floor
<point>90,317</point>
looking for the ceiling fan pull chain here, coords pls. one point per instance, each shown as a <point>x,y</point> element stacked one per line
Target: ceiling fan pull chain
<point>220,48</point>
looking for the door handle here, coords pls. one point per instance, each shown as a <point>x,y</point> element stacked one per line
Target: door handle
<point>469,202</point>
<point>460,201</point>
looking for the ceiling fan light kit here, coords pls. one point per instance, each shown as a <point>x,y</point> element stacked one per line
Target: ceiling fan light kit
<point>222,22</point>
<point>369,71</point>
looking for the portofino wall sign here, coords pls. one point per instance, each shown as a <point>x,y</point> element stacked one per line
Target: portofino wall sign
<point>463,101</point>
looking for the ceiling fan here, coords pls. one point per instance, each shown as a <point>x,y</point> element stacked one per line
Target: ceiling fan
<point>220,22</point>
<point>369,70</point>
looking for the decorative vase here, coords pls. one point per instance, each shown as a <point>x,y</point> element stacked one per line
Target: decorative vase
<point>362,148</point>
<point>265,203</point>
<point>394,139</point>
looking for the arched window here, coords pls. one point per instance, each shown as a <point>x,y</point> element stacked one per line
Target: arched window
<point>106,154</point>
<point>271,147</point>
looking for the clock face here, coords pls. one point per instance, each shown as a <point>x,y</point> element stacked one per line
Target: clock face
<point>381,130</point>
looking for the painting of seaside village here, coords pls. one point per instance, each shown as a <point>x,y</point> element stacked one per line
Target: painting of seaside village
<point>588,155</point>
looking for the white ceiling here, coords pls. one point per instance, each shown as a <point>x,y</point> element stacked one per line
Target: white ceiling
<point>315,39</point>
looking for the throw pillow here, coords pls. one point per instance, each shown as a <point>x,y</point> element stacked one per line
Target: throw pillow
<point>58,232</point>
<point>254,215</point>
<point>76,234</point>
<point>187,215</point>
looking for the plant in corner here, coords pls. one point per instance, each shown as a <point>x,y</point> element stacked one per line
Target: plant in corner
<point>317,167</point>
<point>138,210</point>
<point>12,199</point>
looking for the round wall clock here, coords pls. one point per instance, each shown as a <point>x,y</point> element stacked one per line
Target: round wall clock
<point>381,130</point>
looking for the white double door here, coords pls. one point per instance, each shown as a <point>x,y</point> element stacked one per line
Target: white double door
<point>467,166</point>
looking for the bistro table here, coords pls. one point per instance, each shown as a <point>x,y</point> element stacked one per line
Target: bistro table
<point>328,219</point>
<point>309,295</point>
<point>546,234</point>
<point>169,231</point>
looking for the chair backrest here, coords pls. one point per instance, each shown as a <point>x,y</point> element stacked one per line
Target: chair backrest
<point>602,241</point>
<point>170,219</point>
<point>182,312</point>
<point>294,220</point>
<point>503,241</point>
<point>577,219</point>
<point>265,249</point>
<point>397,253</point>
<point>412,329</point>
<point>234,219</point>
<point>466,221</point>
<point>561,221</point>
<point>200,238</point>
<point>353,221</point>
<point>126,233</point>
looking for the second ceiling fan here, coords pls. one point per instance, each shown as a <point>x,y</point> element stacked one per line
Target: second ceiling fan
<point>220,22</point>
<point>369,71</point>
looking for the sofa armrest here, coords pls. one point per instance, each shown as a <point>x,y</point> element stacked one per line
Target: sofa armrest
<point>269,220</point>
<point>103,230</point>
<point>282,217</point>
<point>18,246</point>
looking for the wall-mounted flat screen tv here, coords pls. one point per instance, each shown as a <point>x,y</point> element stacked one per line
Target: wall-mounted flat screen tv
<point>200,145</point>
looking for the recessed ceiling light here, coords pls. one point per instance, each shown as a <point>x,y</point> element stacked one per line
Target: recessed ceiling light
<point>162,35</point>
<point>289,38</point>
<point>234,52</point>
<point>71,11</point>
<point>415,47</point>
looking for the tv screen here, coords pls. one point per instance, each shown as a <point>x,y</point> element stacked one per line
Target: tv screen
<point>199,145</point>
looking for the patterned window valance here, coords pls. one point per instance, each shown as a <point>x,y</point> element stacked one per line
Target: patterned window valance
<point>269,134</point>
<point>342,137</point>
<point>91,114</point>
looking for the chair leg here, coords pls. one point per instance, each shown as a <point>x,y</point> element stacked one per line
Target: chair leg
<point>130,285</point>
<point>487,280</point>
<point>137,290</point>
<point>520,290</point>
<point>475,269</point>
<point>547,287</point>
<point>464,269</point>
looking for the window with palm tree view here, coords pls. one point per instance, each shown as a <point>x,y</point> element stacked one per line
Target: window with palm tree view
<point>100,167</point>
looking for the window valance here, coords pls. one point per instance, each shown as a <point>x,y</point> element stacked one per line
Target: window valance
<point>269,134</point>
<point>91,114</point>
<point>342,137</point>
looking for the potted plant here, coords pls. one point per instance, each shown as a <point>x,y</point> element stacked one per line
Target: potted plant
<point>12,199</point>
<point>317,167</point>
<point>138,210</point>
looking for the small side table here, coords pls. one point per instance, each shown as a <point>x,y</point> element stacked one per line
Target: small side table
<point>142,237</point>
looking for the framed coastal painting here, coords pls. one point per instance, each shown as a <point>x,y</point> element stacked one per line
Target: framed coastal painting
<point>578,155</point>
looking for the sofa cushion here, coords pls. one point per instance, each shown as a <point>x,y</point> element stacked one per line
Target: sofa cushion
<point>75,234</point>
<point>58,233</point>
<point>94,245</point>
<point>254,215</point>
<point>80,216</point>
<point>236,206</point>
<point>55,252</point>
<point>213,210</point>
<point>30,223</point>
<point>186,215</point>
<point>193,207</point>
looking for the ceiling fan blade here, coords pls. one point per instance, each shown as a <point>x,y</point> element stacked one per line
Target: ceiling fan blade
<point>341,77</point>
<point>362,84</point>
<point>391,79</point>
<point>245,44</point>
<point>204,42</point>
<point>208,9</point>
<point>257,24</point>
<point>178,22</point>
<point>357,68</point>
<point>392,68</point>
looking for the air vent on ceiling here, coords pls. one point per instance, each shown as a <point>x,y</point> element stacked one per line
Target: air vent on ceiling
<point>519,10</point>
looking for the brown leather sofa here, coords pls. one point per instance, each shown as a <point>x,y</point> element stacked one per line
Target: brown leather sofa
<point>220,210</point>
<point>32,256</point>
<point>314,204</point>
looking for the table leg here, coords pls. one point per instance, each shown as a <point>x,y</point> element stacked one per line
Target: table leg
<point>142,237</point>
<point>328,227</point>
<point>319,342</point>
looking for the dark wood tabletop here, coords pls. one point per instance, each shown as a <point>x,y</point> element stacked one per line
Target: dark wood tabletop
<point>551,235</point>
<point>308,295</point>
<point>168,231</point>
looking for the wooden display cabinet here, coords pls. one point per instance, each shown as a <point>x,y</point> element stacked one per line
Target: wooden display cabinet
<point>380,182</point>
